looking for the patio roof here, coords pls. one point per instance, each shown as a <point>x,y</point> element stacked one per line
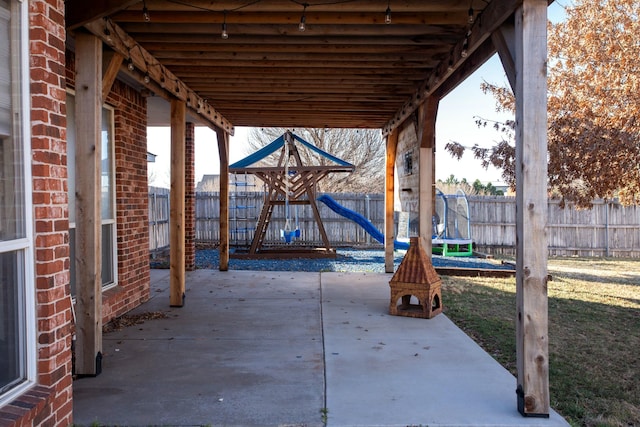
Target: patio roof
<point>348,68</point>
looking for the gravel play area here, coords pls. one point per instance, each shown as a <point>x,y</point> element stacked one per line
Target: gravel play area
<point>347,260</point>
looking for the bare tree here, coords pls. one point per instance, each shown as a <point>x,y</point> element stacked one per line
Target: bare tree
<point>363,148</point>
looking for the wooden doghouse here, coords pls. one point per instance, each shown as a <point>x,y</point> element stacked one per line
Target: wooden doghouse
<point>416,277</point>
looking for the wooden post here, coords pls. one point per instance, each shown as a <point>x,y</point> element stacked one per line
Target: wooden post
<point>389,199</point>
<point>427,137</point>
<point>532,352</point>
<point>177,210</point>
<point>110,72</point>
<point>88,239</point>
<point>223,152</point>
<point>503,40</point>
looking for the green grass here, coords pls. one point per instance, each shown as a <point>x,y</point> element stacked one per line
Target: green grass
<point>594,334</point>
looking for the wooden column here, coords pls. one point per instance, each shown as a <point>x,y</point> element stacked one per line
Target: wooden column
<point>177,211</point>
<point>427,114</point>
<point>88,238</point>
<point>532,353</point>
<point>223,151</point>
<point>389,198</point>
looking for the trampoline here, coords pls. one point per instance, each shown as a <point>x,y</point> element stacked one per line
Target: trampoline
<point>451,225</point>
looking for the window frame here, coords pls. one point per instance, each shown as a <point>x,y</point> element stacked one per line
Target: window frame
<point>24,246</point>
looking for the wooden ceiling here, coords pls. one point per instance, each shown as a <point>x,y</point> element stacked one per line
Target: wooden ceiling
<point>348,68</point>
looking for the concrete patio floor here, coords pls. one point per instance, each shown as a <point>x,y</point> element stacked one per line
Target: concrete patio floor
<point>255,348</point>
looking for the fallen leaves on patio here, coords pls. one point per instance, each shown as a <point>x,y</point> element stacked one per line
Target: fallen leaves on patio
<point>127,320</point>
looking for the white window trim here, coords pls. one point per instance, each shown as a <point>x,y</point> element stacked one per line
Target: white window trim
<point>26,244</point>
<point>113,221</point>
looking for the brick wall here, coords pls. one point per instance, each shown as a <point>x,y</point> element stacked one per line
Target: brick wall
<point>132,202</point>
<point>50,403</point>
<point>190,199</point>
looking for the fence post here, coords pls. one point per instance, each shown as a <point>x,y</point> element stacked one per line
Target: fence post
<point>606,227</point>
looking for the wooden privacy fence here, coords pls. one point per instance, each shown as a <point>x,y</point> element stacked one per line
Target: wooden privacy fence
<point>158,218</point>
<point>245,207</point>
<point>608,229</point>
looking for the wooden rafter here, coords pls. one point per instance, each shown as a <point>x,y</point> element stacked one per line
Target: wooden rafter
<point>80,12</point>
<point>496,13</point>
<point>121,42</point>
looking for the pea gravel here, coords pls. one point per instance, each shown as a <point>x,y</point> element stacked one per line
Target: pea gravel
<point>347,260</point>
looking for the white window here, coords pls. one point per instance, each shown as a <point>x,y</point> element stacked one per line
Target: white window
<point>109,267</point>
<point>17,311</point>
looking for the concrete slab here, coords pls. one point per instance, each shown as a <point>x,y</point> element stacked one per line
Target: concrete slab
<point>245,350</point>
<point>384,370</point>
<point>253,349</point>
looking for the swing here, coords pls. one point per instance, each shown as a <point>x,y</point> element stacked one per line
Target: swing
<point>287,233</point>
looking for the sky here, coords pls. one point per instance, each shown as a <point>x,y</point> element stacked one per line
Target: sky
<point>455,122</point>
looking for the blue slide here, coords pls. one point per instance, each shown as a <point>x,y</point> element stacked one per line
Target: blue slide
<point>358,219</point>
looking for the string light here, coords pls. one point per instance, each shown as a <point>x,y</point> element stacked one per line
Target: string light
<point>303,19</point>
<point>130,65</point>
<point>224,34</point>
<point>465,46</point>
<point>146,78</point>
<point>145,12</point>
<point>471,14</point>
<point>387,13</point>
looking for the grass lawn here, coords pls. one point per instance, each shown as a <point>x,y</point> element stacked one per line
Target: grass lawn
<point>594,334</point>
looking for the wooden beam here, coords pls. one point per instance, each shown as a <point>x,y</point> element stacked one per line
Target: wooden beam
<point>79,12</point>
<point>493,16</point>
<point>269,30</point>
<point>460,74</point>
<point>421,63</point>
<point>376,6</point>
<point>427,114</point>
<point>298,73</point>
<point>417,58</point>
<point>223,152</point>
<point>293,18</point>
<point>334,40</point>
<point>532,340</point>
<point>88,239</point>
<point>389,201</point>
<point>121,42</point>
<point>504,40</point>
<point>110,71</point>
<point>177,210</point>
